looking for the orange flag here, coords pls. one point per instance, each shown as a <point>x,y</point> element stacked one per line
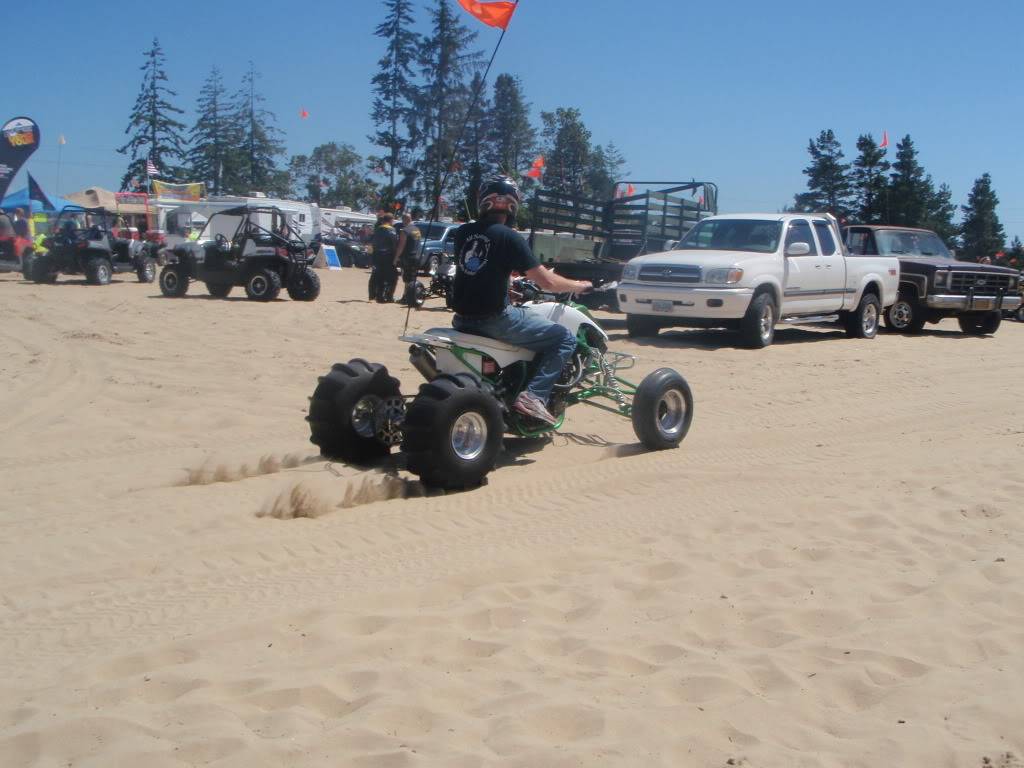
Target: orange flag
<point>533,173</point>
<point>495,14</point>
<point>539,162</point>
<point>885,140</point>
<point>303,113</point>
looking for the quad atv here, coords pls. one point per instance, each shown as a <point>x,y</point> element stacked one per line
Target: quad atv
<point>451,430</point>
<point>252,247</point>
<point>442,283</point>
<point>82,241</point>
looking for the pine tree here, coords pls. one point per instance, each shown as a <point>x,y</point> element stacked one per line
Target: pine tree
<point>157,135</point>
<point>939,213</point>
<point>395,91</point>
<point>829,187</point>
<point>511,138</point>
<point>331,175</point>
<point>981,232</point>
<point>909,188</point>
<point>568,151</point>
<point>446,61</point>
<point>870,181</point>
<point>213,156</point>
<point>259,140</point>
<point>604,168</point>
<point>473,163</point>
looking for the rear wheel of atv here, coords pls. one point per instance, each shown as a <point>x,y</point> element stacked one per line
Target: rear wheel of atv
<point>433,264</point>
<point>98,271</point>
<point>173,281</point>
<point>305,286</point>
<point>662,409</point>
<point>146,271</point>
<point>219,290</point>
<point>418,294</point>
<point>453,431</point>
<point>980,323</point>
<point>26,263</point>
<point>349,409</point>
<point>638,326</point>
<point>42,270</point>
<point>263,285</point>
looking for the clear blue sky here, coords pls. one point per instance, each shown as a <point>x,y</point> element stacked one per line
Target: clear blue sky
<point>728,92</point>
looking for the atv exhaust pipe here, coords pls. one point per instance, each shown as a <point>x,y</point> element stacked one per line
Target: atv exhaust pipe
<point>424,361</point>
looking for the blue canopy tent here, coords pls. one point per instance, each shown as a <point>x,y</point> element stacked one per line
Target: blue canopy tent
<point>20,199</point>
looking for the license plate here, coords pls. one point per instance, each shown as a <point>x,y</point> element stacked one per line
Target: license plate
<point>984,304</point>
<point>662,305</point>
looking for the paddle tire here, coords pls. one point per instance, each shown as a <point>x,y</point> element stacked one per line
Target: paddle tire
<point>146,270</point>
<point>41,270</point>
<point>452,432</point>
<point>173,281</point>
<point>219,290</point>
<point>263,285</point>
<point>98,271</point>
<point>305,286</point>
<point>862,323</point>
<point>346,410</point>
<point>980,323</point>
<point>662,409</point>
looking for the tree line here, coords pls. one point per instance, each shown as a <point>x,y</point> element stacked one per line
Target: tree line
<point>873,190</point>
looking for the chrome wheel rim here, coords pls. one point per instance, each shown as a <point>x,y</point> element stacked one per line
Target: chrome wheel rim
<point>670,413</point>
<point>901,314</point>
<point>469,436</point>
<point>258,285</point>
<point>869,321</point>
<point>149,271</point>
<point>364,414</point>
<point>767,315</point>
<point>103,273</point>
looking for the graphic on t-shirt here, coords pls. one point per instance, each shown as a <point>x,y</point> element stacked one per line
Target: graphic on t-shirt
<point>474,254</point>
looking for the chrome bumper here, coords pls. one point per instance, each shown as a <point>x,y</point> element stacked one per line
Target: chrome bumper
<point>637,298</point>
<point>973,303</point>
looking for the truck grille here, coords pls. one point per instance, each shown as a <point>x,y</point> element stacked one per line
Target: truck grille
<point>669,273</point>
<point>980,282</point>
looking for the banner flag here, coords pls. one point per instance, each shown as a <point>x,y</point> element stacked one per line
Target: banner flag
<point>35,192</point>
<point>19,138</point>
<point>494,14</point>
<point>885,140</point>
<point>187,192</point>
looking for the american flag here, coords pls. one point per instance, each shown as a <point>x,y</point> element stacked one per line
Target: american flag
<point>151,169</point>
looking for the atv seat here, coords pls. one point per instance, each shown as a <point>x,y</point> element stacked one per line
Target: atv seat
<point>503,353</point>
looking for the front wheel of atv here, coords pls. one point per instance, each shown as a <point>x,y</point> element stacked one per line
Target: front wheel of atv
<point>41,270</point>
<point>351,412</point>
<point>263,285</point>
<point>305,286</point>
<point>98,271</point>
<point>173,281</point>
<point>219,290</point>
<point>146,271</point>
<point>452,432</point>
<point>662,409</point>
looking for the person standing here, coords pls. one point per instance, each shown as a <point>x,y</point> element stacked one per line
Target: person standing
<point>383,276</point>
<point>409,244</point>
<point>21,228</point>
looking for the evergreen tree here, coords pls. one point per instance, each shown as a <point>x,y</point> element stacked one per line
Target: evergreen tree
<point>259,140</point>
<point>568,151</point>
<point>829,187</point>
<point>604,168</point>
<point>213,156</point>
<point>395,91</point>
<point>473,154</point>
<point>981,232</point>
<point>511,138</point>
<point>155,134</point>
<point>446,62</point>
<point>909,188</point>
<point>331,176</point>
<point>939,213</point>
<point>870,181</point>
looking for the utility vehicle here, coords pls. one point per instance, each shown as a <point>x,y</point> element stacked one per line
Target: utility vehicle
<point>451,431</point>
<point>251,246</point>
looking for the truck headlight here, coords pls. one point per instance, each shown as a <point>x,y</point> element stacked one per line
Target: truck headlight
<point>723,276</point>
<point>941,277</point>
<point>630,271</point>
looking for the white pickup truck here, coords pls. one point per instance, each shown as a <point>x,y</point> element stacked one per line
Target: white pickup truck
<point>750,271</point>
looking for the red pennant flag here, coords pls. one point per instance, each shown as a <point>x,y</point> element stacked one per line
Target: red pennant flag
<point>303,113</point>
<point>494,14</point>
<point>630,190</point>
<point>533,173</point>
<point>539,162</point>
<point>885,140</point>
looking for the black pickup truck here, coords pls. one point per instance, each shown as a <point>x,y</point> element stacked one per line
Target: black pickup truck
<point>934,285</point>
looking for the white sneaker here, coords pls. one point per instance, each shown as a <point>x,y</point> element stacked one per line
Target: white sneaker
<point>530,405</point>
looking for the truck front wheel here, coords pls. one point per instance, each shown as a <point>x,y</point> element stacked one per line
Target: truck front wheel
<point>980,323</point>
<point>758,326</point>
<point>862,323</point>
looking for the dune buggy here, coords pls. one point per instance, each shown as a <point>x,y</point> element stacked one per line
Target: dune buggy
<point>84,241</point>
<point>251,246</point>
<point>451,431</point>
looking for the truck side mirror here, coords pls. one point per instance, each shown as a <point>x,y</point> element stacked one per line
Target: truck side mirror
<point>798,249</point>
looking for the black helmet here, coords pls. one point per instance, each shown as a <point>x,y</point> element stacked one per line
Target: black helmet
<point>500,195</point>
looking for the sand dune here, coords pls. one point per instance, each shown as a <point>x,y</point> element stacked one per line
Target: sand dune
<point>828,572</point>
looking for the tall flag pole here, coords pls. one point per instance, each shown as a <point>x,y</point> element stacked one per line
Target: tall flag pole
<point>61,141</point>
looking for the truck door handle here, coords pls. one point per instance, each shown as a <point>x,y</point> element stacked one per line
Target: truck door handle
<point>817,266</point>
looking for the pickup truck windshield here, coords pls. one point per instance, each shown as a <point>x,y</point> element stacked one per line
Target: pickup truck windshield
<point>893,243</point>
<point>733,235</point>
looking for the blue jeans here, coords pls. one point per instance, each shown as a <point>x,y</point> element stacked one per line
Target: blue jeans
<point>554,343</point>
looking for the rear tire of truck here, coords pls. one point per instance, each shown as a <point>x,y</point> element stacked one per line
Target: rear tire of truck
<point>173,281</point>
<point>263,285</point>
<point>980,323</point>
<point>662,409</point>
<point>98,271</point>
<point>640,326</point>
<point>862,323</point>
<point>906,315</point>
<point>757,328</point>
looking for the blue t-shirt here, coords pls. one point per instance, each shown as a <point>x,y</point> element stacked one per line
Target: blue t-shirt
<point>486,254</point>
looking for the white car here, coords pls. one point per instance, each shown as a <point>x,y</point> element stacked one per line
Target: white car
<point>750,271</point>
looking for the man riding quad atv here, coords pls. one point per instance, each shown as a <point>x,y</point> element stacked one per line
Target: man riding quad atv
<point>250,246</point>
<point>451,431</point>
<point>82,242</point>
